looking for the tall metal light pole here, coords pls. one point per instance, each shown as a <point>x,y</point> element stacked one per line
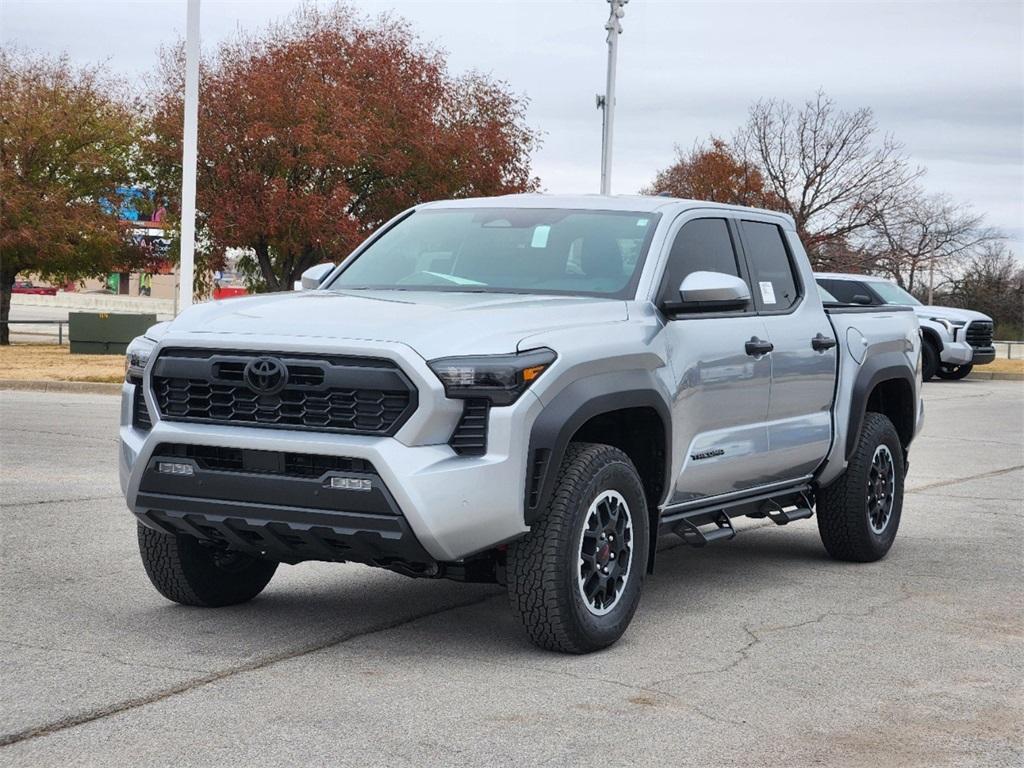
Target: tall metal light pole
<point>190,139</point>
<point>607,102</point>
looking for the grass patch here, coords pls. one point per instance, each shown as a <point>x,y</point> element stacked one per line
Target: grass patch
<point>50,362</point>
<point>1002,365</point>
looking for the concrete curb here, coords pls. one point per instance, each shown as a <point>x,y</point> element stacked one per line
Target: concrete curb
<point>81,387</point>
<point>996,375</point>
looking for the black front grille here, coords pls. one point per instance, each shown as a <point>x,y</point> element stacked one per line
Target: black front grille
<point>470,436</point>
<point>330,394</point>
<point>223,459</point>
<point>140,414</point>
<point>979,333</point>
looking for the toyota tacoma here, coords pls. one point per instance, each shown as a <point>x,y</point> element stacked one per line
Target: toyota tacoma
<point>525,390</point>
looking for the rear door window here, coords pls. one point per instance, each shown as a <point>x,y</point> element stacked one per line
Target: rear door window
<point>772,278</point>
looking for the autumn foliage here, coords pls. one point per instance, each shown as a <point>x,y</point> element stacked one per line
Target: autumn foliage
<point>67,141</point>
<point>321,128</point>
<point>713,173</point>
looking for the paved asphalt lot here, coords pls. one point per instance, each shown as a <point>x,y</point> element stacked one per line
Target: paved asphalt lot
<point>754,652</point>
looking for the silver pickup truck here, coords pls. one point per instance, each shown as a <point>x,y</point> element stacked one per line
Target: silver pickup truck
<point>526,390</point>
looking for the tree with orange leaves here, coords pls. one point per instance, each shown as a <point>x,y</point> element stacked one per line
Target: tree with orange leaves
<point>712,173</point>
<point>319,129</point>
<point>67,142</point>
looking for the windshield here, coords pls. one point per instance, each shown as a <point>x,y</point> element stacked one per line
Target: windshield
<point>507,250</point>
<point>891,293</point>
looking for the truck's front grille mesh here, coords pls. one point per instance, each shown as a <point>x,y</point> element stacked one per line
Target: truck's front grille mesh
<point>354,395</point>
<point>979,333</point>
<point>470,436</point>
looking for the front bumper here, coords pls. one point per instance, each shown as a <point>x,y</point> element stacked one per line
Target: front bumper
<point>957,353</point>
<point>444,505</point>
<point>984,355</point>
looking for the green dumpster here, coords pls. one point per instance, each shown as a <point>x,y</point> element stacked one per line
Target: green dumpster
<point>105,333</point>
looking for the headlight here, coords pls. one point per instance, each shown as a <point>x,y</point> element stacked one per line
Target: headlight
<point>949,325</point>
<point>499,378</point>
<point>137,357</point>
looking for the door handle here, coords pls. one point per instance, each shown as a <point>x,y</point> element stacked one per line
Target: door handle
<point>757,347</point>
<point>821,343</point>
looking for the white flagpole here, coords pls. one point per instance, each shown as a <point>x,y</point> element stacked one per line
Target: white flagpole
<point>189,154</point>
<point>607,103</point>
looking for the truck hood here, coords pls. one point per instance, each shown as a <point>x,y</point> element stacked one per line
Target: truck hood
<point>949,313</point>
<point>434,323</point>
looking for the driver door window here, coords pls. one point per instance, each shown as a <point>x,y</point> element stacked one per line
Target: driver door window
<point>702,245</point>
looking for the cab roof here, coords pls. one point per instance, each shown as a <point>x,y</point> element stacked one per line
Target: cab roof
<point>638,203</point>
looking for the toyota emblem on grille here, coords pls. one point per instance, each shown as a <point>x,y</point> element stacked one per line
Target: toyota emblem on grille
<point>266,375</point>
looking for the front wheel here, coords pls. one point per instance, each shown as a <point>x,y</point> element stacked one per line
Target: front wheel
<point>188,572</point>
<point>954,372</point>
<point>575,580</point>
<point>859,514</point>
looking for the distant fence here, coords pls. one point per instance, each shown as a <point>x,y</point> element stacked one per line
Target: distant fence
<point>59,323</point>
<point>1014,349</point>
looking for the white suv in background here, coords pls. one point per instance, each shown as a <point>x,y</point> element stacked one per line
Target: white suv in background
<point>956,340</point>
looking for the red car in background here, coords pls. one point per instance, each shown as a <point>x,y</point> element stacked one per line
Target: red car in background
<point>25,286</point>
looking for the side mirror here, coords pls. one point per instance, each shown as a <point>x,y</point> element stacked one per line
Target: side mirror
<point>711,292</point>
<point>313,276</point>
<point>861,298</point>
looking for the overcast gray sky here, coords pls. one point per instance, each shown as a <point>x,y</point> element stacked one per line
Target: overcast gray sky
<point>946,78</point>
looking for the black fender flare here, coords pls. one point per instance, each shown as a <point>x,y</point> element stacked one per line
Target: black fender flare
<point>932,336</point>
<point>573,407</point>
<point>885,366</point>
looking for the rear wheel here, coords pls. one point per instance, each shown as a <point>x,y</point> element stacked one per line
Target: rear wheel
<point>929,360</point>
<point>954,372</point>
<point>575,580</point>
<point>185,571</point>
<point>859,514</point>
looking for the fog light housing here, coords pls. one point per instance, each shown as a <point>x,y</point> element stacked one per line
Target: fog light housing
<point>175,468</point>
<point>352,483</point>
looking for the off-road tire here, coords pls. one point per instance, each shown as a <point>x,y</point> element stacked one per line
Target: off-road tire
<point>185,571</point>
<point>843,507</point>
<point>543,571</point>
<point>929,360</point>
<point>954,372</point>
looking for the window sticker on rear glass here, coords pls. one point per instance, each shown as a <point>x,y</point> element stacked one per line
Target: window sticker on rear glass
<point>767,292</point>
<point>642,222</point>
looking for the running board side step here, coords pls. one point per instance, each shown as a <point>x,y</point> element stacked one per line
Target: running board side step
<point>785,516</point>
<point>698,526</point>
<point>690,530</point>
<point>781,516</point>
